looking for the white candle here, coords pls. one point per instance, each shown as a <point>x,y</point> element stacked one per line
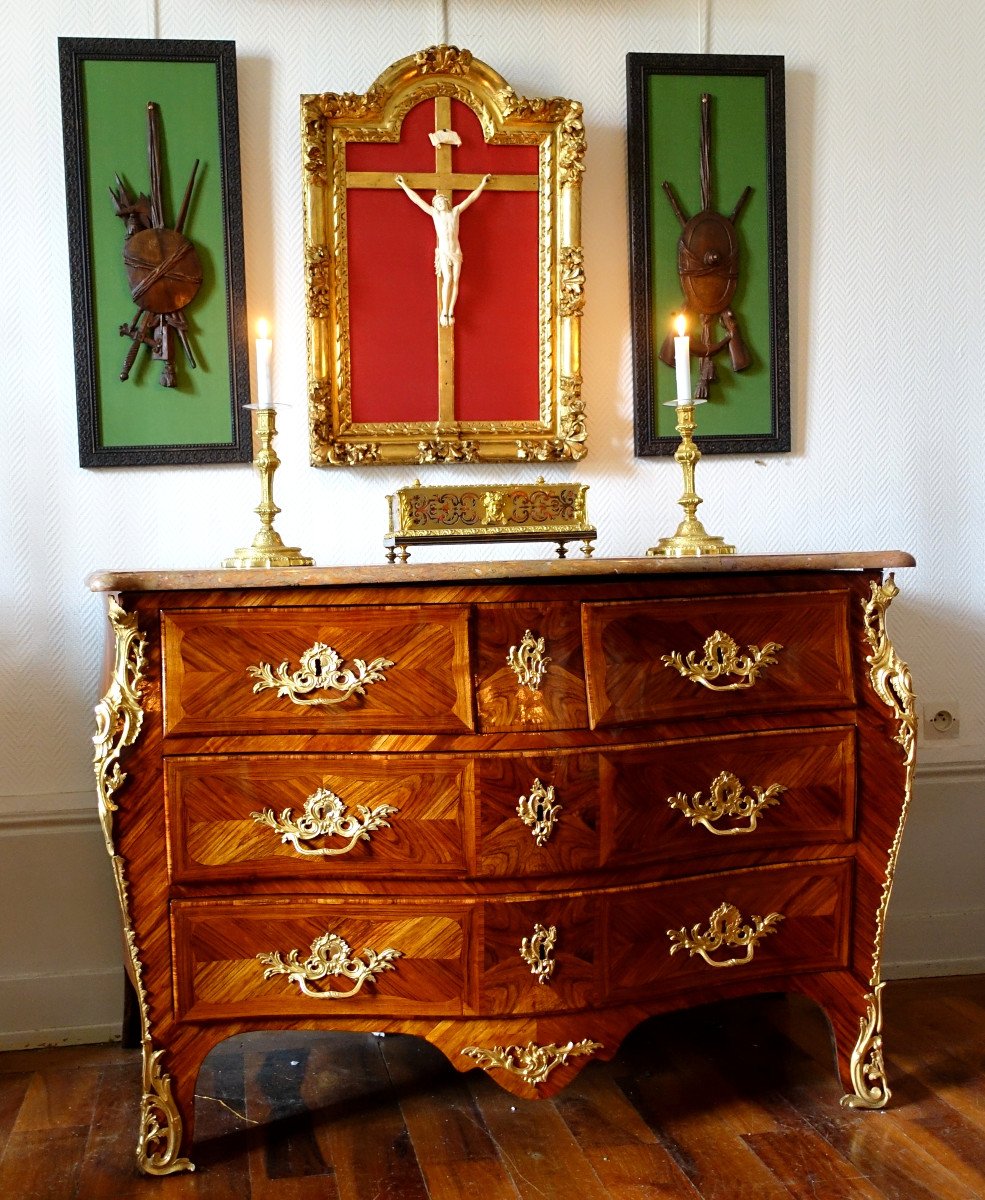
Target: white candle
<point>682,360</point>
<point>265,347</point>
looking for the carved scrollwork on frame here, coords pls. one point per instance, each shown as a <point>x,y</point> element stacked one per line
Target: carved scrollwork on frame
<point>573,421</point>
<point>568,448</point>
<point>351,453</point>
<point>571,298</point>
<point>318,111</point>
<point>725,928</point>
<point>542,451</point>
<point>728,798</point>
<point>446,59</point>
<point>321,670</point>
<point>326,815</point>
<point>571,155</point>
<point>568,114</point>
<point>533,108</point>
<point>319,281</point>
<point>721,659</point>
<point>330,957</point>
<point>439,450</point>
<point>531,1063</point>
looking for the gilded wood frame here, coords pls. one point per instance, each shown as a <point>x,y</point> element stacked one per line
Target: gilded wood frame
<point>330,122</point>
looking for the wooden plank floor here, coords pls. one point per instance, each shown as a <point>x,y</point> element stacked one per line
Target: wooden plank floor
<point>723,1103</point>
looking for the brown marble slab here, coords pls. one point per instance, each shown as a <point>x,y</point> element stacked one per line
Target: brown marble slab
<point>458,572</point>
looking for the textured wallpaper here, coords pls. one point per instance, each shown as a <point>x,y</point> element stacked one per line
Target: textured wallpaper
<point>885,179</point>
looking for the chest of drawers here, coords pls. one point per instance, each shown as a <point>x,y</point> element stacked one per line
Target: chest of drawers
<point>512,808</point>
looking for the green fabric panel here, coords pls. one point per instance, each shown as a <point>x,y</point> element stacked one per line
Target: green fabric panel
<point>140,412</point>
<point>739,403</point>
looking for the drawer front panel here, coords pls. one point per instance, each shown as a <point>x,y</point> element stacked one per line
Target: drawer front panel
<point>530,673</point>
<point>538,813</point>
<point>312,817</point>
<point>319,958</point>
<point>539,955</point>
<point>728,795</point>
<point>635,652</point>
<point>254,671</point>
<point>805,908</point>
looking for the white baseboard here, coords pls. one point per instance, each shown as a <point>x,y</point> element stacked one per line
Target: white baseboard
<point>934,968</point>
<point>61,1010</point>
<point>954,939</point>
<point>61,962</point>
<point>39,1039</point>
<point>67,810</point>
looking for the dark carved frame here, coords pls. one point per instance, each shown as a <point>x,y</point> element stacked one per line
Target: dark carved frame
<point>73,54</point>
<point>645,336</point>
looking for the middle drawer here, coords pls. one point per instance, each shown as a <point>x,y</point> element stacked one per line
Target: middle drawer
<point>520,815</point>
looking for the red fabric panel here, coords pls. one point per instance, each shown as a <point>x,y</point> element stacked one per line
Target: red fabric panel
<point>393,319</point>
<point>497,343</point>
<point>474,156</point>
<point>412,153</point>
<point>392,291</point>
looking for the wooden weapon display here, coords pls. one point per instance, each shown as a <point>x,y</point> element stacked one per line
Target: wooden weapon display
<point>163,267</point>
<point>708,265</point>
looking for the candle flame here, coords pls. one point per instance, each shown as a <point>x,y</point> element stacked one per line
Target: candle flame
<point>680,324</point>
<point>263,328</point>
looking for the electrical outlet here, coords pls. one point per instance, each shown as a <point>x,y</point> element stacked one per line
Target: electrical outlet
<point>941,721</point>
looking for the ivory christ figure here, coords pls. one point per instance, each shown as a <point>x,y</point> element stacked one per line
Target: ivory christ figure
<point>448,251</point>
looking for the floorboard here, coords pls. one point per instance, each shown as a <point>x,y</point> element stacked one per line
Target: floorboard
<point>724,1102</point>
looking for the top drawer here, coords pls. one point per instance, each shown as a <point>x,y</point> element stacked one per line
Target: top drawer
<point>288,670</point>
<point>658,660</point>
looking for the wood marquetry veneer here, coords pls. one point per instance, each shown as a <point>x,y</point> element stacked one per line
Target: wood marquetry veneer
<point>512,809</point>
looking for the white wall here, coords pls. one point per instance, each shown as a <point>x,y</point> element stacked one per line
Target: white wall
<point>885,179</point>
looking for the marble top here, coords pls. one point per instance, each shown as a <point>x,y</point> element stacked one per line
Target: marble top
<point>480,572</point>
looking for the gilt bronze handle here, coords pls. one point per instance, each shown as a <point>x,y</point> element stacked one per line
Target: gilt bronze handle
<point>326,815</point>
<point>721,659</point>
<point>724,929</point>
<point>727,798</point>
<point>321,670</point>
<point>330,956</point>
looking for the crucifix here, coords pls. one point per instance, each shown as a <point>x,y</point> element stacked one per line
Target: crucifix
<point>448,251</point>
<point>444,180</point>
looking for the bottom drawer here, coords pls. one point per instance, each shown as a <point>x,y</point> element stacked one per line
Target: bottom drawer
<point>270,958</point>
<point>531,953</point>
<point>765,921</point>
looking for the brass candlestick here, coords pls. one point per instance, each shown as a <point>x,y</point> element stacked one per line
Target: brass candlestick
<point>691,538</point>
<point>267,549</point>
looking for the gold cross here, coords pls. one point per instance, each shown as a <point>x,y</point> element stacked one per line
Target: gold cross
<point>443,179</point>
